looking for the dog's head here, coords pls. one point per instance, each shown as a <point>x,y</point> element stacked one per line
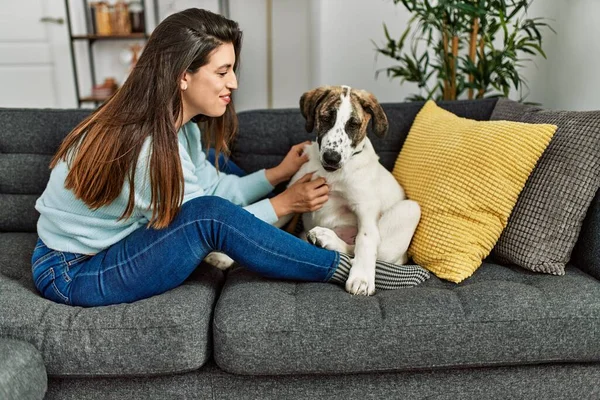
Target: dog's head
<point>341,116</point>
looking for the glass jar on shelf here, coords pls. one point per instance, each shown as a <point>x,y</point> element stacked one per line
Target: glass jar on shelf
<point>102,13</point>
<point>120,21</point>
<point>136,17</point>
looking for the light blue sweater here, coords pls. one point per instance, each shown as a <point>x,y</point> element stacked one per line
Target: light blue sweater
<point>67,224</point>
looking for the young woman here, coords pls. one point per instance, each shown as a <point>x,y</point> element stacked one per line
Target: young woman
<point>132,205</point>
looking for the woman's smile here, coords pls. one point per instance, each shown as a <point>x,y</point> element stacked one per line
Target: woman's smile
<point>226,98</point>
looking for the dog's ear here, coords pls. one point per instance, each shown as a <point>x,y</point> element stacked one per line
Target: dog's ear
<point>309,103</point>
<point>370,104</point>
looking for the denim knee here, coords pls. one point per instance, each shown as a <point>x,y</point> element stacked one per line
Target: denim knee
<point>207,207</point>
<point>205,216</point>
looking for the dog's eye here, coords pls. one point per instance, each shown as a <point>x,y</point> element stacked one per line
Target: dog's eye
<point>328,117</point>
<point>353,124</point>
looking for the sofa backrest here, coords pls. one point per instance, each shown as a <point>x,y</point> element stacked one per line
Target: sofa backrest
<point>28,140</point>
<point>265,136</point>
<point>30,137</point>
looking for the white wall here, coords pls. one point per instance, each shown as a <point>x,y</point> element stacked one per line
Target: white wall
<point>572,81</point>
<point>291,51</point>
<point>567,79</point>
<point>345,52</point>
<point>252,75</point>
<point>290,46</point>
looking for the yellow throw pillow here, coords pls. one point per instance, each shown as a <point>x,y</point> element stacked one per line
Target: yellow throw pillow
<point>466,175</point>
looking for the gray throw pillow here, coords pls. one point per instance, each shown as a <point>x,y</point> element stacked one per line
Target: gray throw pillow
<point>547,218</point>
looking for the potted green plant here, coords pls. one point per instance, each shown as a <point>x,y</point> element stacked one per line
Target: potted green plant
<point>454,47</point>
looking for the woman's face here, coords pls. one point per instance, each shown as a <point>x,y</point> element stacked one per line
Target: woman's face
<point>207,91</point>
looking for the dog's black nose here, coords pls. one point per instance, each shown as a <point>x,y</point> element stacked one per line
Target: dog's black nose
<point>331,157</point>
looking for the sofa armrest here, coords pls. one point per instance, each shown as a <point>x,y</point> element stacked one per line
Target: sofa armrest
<point>22,371</point>
<point>586,254</point>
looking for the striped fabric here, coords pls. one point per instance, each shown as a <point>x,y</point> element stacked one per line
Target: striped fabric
<point>387,276</point>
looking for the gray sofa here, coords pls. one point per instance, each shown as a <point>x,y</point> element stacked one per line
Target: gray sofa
<point>503,333</point>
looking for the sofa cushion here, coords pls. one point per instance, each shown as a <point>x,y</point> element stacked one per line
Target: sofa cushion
<point>549,213</point>
<point>163,334</point>
<point>466,175</point>
<point>22,372</point>
<point>502,315</point>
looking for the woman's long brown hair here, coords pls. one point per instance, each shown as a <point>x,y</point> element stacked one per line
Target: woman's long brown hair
<point>103,150</point>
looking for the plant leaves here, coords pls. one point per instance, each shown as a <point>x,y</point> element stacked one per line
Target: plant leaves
<point>507,40</point>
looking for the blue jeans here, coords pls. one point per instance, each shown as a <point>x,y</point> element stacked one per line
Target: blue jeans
<point>151,261</point>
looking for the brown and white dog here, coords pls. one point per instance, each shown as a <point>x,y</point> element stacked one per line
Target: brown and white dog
<point>367,214</point>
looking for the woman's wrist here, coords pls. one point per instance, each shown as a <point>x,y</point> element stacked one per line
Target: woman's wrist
<point>275,176</point>
<point>279,205</point>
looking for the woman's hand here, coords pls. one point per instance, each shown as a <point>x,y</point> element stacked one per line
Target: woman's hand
<point>303,196</point>
<point>289,166</point>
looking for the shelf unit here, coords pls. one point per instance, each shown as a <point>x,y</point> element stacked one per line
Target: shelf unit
<point>91,39</point>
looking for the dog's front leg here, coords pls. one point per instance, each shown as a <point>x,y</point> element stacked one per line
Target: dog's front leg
<point>362,274</point>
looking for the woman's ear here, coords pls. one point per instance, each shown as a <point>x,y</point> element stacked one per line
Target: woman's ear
<point>183,82</point>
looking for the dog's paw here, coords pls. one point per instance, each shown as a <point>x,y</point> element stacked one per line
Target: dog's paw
<point>327,239</point>
<point>361,280</point>
<point>219,260</point>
